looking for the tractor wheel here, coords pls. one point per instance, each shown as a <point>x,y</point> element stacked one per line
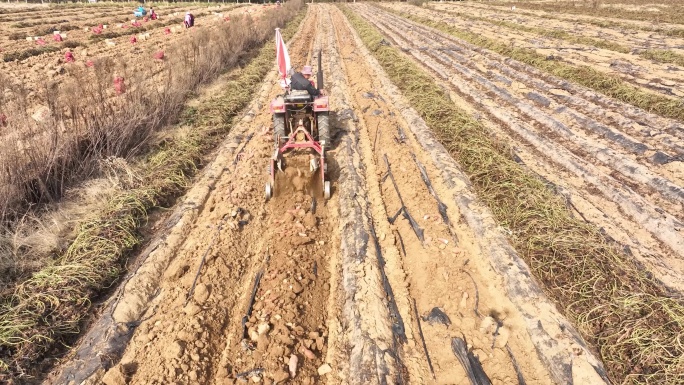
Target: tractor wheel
<point>268,193</point>
<point>278,127</point>
<point>323,121</point>
<point>326,189</point>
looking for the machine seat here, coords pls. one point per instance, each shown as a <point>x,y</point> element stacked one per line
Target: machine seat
<point>298,96</point>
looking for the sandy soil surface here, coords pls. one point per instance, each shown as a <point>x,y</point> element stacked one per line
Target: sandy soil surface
<point>629,23</point>
<point>665,79</point>
<point>37,79</point>
<point>606,155</point>
<point>632,38</point>
<point>341,291</point>
<point>36,71</point>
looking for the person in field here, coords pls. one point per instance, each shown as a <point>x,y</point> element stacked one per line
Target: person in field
<point>189,20</point>
<point>302,81</point>
<point>153,14</point>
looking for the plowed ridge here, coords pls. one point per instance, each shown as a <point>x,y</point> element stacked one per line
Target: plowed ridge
<point>579,16</point>
<point>662,78</point>
<point>604,156</point>
<point>633,39</point>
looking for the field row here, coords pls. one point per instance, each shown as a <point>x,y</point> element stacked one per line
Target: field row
<point>84,31</point>
<point>618,167</point>
<point>46,119</point>
<point>128,52</point>
<point>507,196</point>
<point>621,60</point>
<point>664,16</point>
<point>17,32</point>
<point>607,34</point>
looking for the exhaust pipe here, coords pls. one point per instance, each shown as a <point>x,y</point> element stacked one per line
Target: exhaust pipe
<point>319,74</point>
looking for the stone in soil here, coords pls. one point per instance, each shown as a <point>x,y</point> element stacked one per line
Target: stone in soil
<point>175,350</point>
<point>201,293</point>
<point>324,369</point>
<point>280,376</point>
<point>292,365</point>
<point>297,287</point>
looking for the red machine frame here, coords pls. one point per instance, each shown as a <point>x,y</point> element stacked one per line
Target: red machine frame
<point>299,138</point>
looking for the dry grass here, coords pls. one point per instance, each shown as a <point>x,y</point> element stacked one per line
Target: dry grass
<point>605,23</point>
<point>21,55</point>
<point>552,33</point>
<point>47,308</point>
<point>79,131</point>
<point>587,76</point>
<point>657,55</point>
<point>618,307</point>
<point>663,56</point>
<point>643,10</point>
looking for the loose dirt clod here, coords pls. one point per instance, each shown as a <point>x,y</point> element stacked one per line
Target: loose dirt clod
<point>280,376</point>
<point>324,369</point>
<point>114,376</point>
<point>297,287</point>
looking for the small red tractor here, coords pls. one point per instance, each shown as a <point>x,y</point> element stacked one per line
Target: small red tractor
<point>300,122</point>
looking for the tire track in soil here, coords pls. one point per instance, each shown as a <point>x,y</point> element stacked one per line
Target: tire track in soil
<point>289,317</point>
<point>434,272</point>
<point>636,40</point>
<point>632,121</point>
<point>658,78</point>
<point>626,26</point>
<point>610,190</point>
<point>186,344</point>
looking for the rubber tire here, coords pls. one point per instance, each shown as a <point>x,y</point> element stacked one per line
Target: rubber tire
<point>326,189</point>
<point>268,192</point>
<point>323,120</point>
<point>278,126</point>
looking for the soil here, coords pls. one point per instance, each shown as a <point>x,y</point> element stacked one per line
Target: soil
<point>594,140</point>
<point>655,24</point>
<point>633,39</point>
<point>303,290</point>
<point>35,72</point>
<point>662,78</point>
